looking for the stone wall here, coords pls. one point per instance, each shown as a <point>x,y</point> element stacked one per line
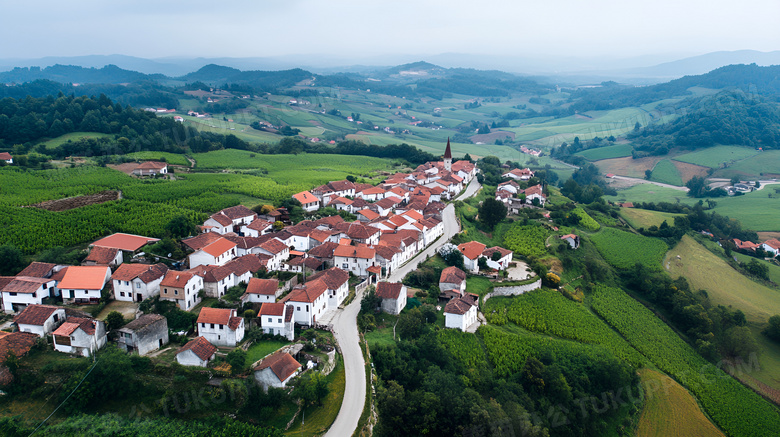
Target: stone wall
<point>513,290</point>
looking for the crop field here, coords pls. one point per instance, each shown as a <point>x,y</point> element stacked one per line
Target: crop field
<point>465,347</point>
<point>688,171</point>
<point>526,240</point>
<point>170,158</point>
<point>650,193</point>
<point>716,157</point>
<point>586,221</point>
<point>608,152</point>
<point>549,312</point>
<point>624,249</point>
<point>630,167</point>
<point>765,165</point>
<point>734,407</point>
<point>671,410</point>
<point>725,286</point>
<point>644,218</point>
<point>758,210</point>
<point>667,173</point>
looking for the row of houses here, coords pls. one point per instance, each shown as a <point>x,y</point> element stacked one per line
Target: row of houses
<point>771,245</point>
<point>516,198</point>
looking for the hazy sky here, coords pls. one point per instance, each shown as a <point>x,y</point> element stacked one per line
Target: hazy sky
<point>358,29</point>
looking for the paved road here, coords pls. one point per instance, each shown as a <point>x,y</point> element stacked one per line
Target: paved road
<point>345,330</point>
<point>645,181</point>
<point>451,227</point>
<point>346,333</point>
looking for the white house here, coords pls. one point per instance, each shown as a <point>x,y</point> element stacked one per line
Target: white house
<point>572,240</point>
<point>231,219</point>
<point>216,279</point>
<point>277,250</point>
<point>261,291</point>
<point>354,259</point>
<point>535,192</point>
<point>393,295</point>
<point>503,261</point>
<point>309,202</point>
<point>136,282</point>
<point>277,319</point>
<point>452,282</point>
<point>471,251</point>
<point>182,288</point>
<point>772,246</point>
<point>217,253</point>
<point>461,312</point>
<point>150,168</point>
<point>197,352</point>
<point>80,336</point>
<point>144,334</point>
<point>220,326</point>
<point>519,174</point>
<point>257,228</point>
<point>40,319</point>
<point>5,156</point>
<point>509,186</point>
<point>337,282</point>
<point>22,291</point>
<point>83,284</point>
<point>310,301</point>
<point>103,256</point>
<point>388,257</point>
<point>276,370</point>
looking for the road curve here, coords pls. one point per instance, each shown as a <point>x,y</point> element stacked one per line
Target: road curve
<point>346,333</point>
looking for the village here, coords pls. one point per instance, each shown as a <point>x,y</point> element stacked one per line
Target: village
<point>292,276</point>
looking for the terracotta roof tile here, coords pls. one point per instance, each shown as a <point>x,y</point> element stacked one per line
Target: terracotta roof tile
<point>333,278</point>
<point>489,251</point>
<point>25,284</point>
<point>102,255</point>
<point>200,347</point>
<point>175,279</point>
<point>324,250</point>
<point>222,219</point>
<point>471,250</point>
<point>306,293</point>
<point>389,290</point>
<point>219,247</point>
<point>354,252</point>
<point>35,315</point>
<point>18,342</point>
<point>201,240</point>
<point>238,212</point>
<point>219,316</point>
<point>145,272</point>
<point>460,305</point>
<point>452,275</point>
<point>127,242</point>
<point>38,270</point>
<point>274,246</point>
<point>305,197</point>
<point>84,278</point>
<point>271,309</point>
<point>151,165</point>
<point>262,286</point>
<point>282,364</point>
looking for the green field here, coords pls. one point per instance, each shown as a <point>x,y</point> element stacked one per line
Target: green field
<point>650,193</point>
<point>624,249</point>
<point>644,218</point>
<point>774,269</point>
<point>586,221</point>
<point>765,165</point>
<point>716,157</point>
<point>526,240</point>
<point>671,410</point>
<point>608,152</point>
<point>734,407</point>
<point>170,158</point>
<point>260,349</point>
<point>73,136</point>
<point>666,173</point>
<point>725,286</point>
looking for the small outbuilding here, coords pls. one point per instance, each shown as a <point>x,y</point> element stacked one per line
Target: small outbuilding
<point>276,370</point>
<point>197,352</point>
<point>144,334</point>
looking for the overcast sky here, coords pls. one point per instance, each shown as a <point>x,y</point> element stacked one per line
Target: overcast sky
<point>357,29</point>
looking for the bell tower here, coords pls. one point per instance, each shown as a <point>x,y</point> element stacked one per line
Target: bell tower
<point>448,157</point>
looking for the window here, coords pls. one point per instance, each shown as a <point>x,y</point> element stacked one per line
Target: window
<point>202,325</point>
<point>280,320</point>
<point>221,326</point>
<point>122,293</point>
<point>137,285</point>
<point>12,293</point>
<point>166,290</point>
<point>34,295</point>
<point>175,292</point>
<point>307,308</point>
<point>212,326</point>
<point>56,317</point>
<point>270,319</point>
<point>299,308</point>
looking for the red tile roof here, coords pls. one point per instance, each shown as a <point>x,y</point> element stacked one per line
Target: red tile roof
<point>24,284</point>
<point>219,316</point>
<point>489,251</point>
<point>37,270</point>
<point>330,221</point>
<point>307,293</point>
<point>238,212</point>
<point>145,272</point>
<point>773,243</point>
<point>73,323</point>
<point>271,309</point>
<point>259,225</point>
<point>176,279</point>
<point>127,242</point>
<point>452,275</point>
<point>305,197</point>
<point>84,278</point>
<point>5,156</point>
<point>262,286</point>
<point>35,315</point>
<point>201,240</point>
<point>471,250</point>
<point>200,347</point>
<point>243,264</point>
<point>274,246</point>
<point>102,255</point>
<point>219,247</point>
<point>151,165</point>
<point>354,252</point>
<point>222,219</point>
<point>333,278</point>
<point>460,305</point>
<point>536,189</point>
<point>324,250</point>
<point>18,342</point>
<point>388,290</point>
<point>367,213</point>
<point>282,364</point>
<point>211,273</point>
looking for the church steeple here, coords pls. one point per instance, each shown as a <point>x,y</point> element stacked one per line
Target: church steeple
<point>448,156</point>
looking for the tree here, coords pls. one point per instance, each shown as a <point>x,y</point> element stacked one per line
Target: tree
<point>697,186</point>
<point>181,227</point>
<point>370,301</point>
<point>482,263</point>
<point>773,329</point>
<point>734,180</point>
<point>648,174</point>
<point>451,255</point>
<point>237,360</point>
<point>11,261</point>
<point>114,320</point>
<point>757,269</point>
<point>738,341</point>
<point>491,212</point>
<point>278,226</point>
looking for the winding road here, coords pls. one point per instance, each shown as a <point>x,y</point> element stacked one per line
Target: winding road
<point>346,333</point>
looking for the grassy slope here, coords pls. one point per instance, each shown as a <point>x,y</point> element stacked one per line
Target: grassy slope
<point>716,156</point>
<point>667,173</point>
<point>73,136</point>
<point>643,218</point>
<point>671,410</point>
<point>170,158</point>
<point>726,286</point>
<point>765,165</point>
<point>608,152</point>
<point>319,419</point>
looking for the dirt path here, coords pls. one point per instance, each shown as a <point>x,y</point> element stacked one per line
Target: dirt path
<point>644,181</point>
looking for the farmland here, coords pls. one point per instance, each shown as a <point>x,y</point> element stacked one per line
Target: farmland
<point>526,240</point>
<point>644,218</point>
<point>665,172</point>
<point>624,249</point>
<point>607,152</point>
<point>765,165</point>
<point>73,136</point>
<point>170,158</point>
<point>650,193</point>
<point>725,286</point>
<point>549,312</point>
<point>671,410</point>
<point>718,156</point>
<point>586,221</point>
<point>734,407</point>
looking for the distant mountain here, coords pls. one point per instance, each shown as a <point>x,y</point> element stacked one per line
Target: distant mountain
<point>132,63</point>
<point>110,74</point>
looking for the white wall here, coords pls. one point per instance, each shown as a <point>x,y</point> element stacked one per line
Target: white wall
<point>188,358</point>
<point>221,335</point>
<point>131,289</point>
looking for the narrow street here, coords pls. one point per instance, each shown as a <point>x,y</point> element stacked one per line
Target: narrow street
<point>345,330</point>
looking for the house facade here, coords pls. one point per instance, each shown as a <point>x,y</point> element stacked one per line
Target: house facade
<point>220,326</point>
<point>393,295</point>
<point>461,312</point>
<point>80,336</point>
<point>197,352</point>
<point>261,291</point>
<point>144,334</point>
<point>22,291</point>
<point>277,319</point>
<point>83,284</point>
<point>41,320</point>
<point>354,259</point>
<point>136,282</point>
<point>182,288</point>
